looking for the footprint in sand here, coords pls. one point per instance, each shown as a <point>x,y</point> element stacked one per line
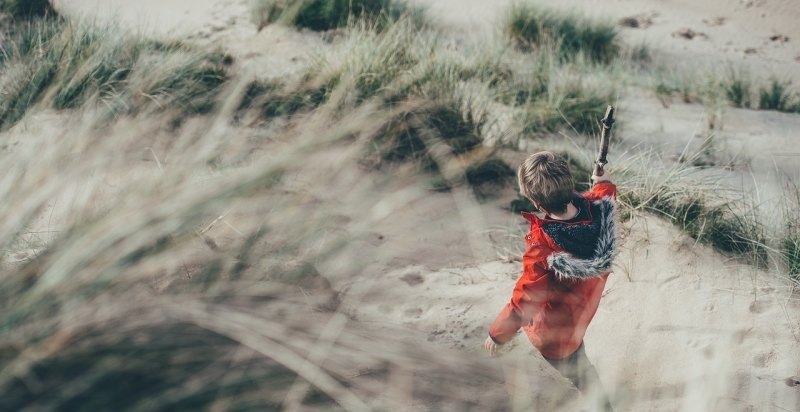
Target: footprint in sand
<point>708,351</point>
<point>413,312</point>
<point>741,335</point>
<point>764,360</point>
<point>412,279</point>
<point>669,282</point>
<point>689,34</point>
<point>710,307</point>
<point>715,22</point>
<point>758,306</point>
<point>779,38</point>
<point>692,343</point>
<point>639,21</point>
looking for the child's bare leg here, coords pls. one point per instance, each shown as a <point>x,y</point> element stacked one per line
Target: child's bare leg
<point>581,372</point>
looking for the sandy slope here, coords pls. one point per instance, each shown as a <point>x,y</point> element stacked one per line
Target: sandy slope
<point>760,33</point>
<point>735,31</point>
<point>680,327</point>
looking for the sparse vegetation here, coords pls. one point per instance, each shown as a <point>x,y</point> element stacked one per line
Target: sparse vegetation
<point>485,176</point>
<point>272,100</point>
<point>533,27</point>
<point>666,85</point>
<point>788,242</point>
<point>701,209</point>
<point>790,250</point>
<point>413,134</point>
<point>322,15</point>
<point>168,283</point>
<point>554,95</point>
<point>736,88</point>
<point>27,9</point>
<point>778,95</point>
<point>573,109</point>
<point>66,65</point>
<point>739,89</point>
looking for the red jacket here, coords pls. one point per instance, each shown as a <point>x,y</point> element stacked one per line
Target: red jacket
<point>564,271</point>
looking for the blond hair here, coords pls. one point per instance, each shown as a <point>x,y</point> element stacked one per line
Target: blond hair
<point>545,178</point>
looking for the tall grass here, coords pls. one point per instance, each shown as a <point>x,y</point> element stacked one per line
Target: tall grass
<point>788,243</point>
<point>66,65</point>
<point>555,95</point>
<point>27,9</point>
<point>778,95</point>
<point>322,15</point>
<point>699,206</point>
<point>437,99</point>
<point>221,269</point>
<point>739,89</point>
<point>790,249</point>
<point>531,26</point>
<point>178,289</point>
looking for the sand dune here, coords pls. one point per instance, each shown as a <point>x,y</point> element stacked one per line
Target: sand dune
<point>680,328</point>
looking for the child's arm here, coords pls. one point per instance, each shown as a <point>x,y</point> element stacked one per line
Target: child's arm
<point>602,187</point>
<point>530,294</point>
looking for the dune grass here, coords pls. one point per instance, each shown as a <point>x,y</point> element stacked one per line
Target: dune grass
<point>790,250</point>
<point>179,291</point>
<point>27,9</point>
<point>170,285</point>
<point>739,89</point>
<point>788,242</point>
<point>436,100</point>
<point>322,15</point>
<point>272,99</point>
<point>555,96</point>
<point>778,95</point>
<point>698,206</point>
<point>532,26</point>
<point>66,65</point>
<point>734,87</point>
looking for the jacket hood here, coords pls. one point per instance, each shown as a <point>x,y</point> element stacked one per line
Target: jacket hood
<point>588,245</point>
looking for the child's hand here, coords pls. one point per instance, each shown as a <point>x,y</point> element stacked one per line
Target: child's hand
<point>606,177</point>
<point>490,346</point>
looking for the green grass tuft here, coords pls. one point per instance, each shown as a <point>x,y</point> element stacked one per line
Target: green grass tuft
<point>789,240</point>
<point>272,100</point>
<point>700,209</point>
<point>717,225</point>
<point>66,65</point>
<point>27,9</point>
<point>778,95</point>
<point>532,27</point>
<point>790,251</point>
<point>413,134</point>
<point>322,15</point>
<point>566,103</point>
<point>487,176</point>
<point>739,89</point>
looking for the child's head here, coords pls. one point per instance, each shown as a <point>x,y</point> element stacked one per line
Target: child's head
<point>545,179</point>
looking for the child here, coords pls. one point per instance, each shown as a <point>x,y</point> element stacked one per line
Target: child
<point>564,268</point>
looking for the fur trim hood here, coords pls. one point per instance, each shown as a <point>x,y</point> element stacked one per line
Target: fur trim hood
<point>589,245</point>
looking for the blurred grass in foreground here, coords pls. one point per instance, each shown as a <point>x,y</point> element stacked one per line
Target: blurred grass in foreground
<point>192,267</point>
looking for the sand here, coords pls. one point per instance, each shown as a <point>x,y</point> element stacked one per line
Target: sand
<point>680,327</point>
